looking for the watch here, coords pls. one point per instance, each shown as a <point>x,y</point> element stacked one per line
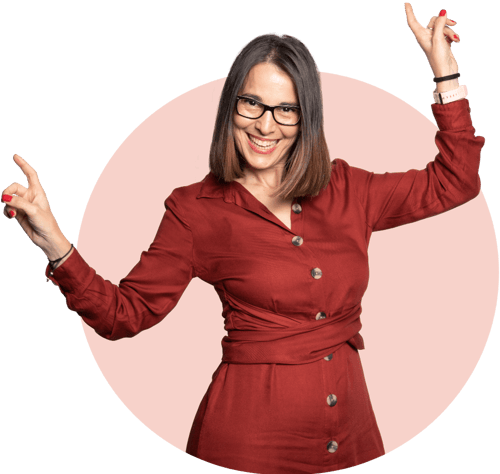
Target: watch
<point>450,96</point>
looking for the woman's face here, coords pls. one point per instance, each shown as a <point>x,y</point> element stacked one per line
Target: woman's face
<point>271,86</point>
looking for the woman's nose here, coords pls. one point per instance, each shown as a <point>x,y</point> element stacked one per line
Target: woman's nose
<point>266,123</point>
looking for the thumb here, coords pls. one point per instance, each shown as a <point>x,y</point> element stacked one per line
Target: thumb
<point>439,25</point>
<point>20,208</point>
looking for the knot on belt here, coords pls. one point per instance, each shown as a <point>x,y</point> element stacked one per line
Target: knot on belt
<point>259,336</point>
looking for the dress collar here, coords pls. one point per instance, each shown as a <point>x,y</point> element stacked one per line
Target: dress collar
<point>234,192</point>
<point>211,187</point>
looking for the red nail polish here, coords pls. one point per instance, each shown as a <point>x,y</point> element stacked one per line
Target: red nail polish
<point>455,36</point>
<point>442,13</point>
<point>6,198</point>
<point>452,20</point>
<point>11,213</point>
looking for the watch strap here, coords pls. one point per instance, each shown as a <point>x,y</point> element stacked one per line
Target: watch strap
<point>450,96</point>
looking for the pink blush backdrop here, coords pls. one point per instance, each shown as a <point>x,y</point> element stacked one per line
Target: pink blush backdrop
<point>433,284</point>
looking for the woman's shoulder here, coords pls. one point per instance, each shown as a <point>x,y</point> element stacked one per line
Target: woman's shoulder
<point>192,190</point>
<point>341,171</point>
<point>187,196</point>
<point>339,164</point>
<point>340,176</point>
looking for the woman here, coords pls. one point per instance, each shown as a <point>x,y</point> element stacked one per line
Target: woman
<point>282,235</point>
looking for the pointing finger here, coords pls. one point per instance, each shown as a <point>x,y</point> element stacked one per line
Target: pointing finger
<point>411,19</point>
<point>28,171</point>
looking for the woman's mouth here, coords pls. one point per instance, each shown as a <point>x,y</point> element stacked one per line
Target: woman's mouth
<point>261,146</point>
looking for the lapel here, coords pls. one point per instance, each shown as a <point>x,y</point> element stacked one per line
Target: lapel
<point>236,193</point>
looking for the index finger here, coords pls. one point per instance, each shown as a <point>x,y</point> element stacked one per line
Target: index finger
<point>410,17</point>
<point>29,172</point>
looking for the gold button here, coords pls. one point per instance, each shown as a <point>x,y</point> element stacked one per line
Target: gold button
<point>321,315</point>
<point>297,240</point>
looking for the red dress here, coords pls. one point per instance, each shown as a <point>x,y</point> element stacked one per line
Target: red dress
<point>289,395</point>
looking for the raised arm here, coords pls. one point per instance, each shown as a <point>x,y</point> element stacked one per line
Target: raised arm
<point>141,299</point>
<point>452,179</point>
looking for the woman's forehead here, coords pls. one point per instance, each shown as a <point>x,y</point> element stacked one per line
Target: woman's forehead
<point>270,83</point>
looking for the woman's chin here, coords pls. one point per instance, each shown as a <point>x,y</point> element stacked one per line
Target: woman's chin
<point>260,162</point>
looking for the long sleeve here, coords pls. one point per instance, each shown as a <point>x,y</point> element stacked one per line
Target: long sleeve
<point>452,179</point>
<point>146,295</point>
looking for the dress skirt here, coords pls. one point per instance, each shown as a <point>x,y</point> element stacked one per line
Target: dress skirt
<point>279,418</point>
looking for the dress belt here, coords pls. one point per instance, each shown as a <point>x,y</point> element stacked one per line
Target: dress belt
<point>258,336</point>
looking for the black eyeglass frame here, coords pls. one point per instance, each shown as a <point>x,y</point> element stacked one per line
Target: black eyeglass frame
<point>266,108</point>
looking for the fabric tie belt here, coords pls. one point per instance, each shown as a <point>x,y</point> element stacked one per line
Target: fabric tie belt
<point>258,336</point>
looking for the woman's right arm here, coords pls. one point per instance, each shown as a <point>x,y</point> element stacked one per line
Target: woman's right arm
<point>141,299</point>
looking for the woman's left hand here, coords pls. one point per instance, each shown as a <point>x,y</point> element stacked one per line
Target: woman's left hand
<point>436,41</point>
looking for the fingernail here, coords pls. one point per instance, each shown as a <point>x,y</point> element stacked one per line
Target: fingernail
<point>455,36</point>
<point>442,13</point>
<point>11,213</point>
<point>452,20</point>
<point>6,198</point>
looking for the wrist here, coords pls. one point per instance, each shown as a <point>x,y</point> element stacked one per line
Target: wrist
<point>57,247</point>
<point>445,86</point>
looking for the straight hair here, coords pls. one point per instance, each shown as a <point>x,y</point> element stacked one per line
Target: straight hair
<point>307,168</point>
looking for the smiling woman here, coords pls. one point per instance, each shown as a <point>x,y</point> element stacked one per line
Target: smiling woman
<point>281,72</point>
<point>282,234</point>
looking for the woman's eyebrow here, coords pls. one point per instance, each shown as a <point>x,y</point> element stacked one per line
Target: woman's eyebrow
<point>256,97</point>
<point>252,96</point>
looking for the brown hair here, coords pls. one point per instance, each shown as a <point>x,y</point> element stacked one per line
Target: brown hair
<point>307,168</point>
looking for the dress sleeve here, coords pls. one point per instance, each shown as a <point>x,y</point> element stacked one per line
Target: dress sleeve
<point>146,295</point>
<point>452,179</point>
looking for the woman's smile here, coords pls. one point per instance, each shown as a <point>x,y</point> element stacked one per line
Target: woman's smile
<point>262,145</point>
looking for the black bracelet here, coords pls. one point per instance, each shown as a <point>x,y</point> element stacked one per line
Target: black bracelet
<point>446,78</point>
<point>52,262</point>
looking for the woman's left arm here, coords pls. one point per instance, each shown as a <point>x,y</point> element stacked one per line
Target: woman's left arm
<point>452,179</point>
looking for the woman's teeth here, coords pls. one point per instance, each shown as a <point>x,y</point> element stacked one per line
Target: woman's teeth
<point>265,145</point>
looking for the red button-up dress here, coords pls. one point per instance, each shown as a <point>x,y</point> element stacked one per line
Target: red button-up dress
<point>289,395</point>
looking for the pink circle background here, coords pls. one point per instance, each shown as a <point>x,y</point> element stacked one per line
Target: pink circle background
<point>433,284</point>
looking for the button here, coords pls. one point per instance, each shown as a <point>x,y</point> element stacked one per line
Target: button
<point>316,273</point>
<point>321,315</point>
<point>297,208</point>
<point>329,357</point>
<point>297,240</point>
<point>331,399</point>
<point>332,446</point>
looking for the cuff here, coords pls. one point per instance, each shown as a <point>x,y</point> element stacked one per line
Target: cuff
<point>452,116</point>
<point>73,276</point>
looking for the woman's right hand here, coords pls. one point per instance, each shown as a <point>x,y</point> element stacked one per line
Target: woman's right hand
<point>32,210</point>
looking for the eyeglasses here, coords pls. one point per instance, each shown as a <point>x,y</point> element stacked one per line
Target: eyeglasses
<point>288,115</point>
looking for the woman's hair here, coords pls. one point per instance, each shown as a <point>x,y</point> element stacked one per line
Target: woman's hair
<point>307,167</point>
